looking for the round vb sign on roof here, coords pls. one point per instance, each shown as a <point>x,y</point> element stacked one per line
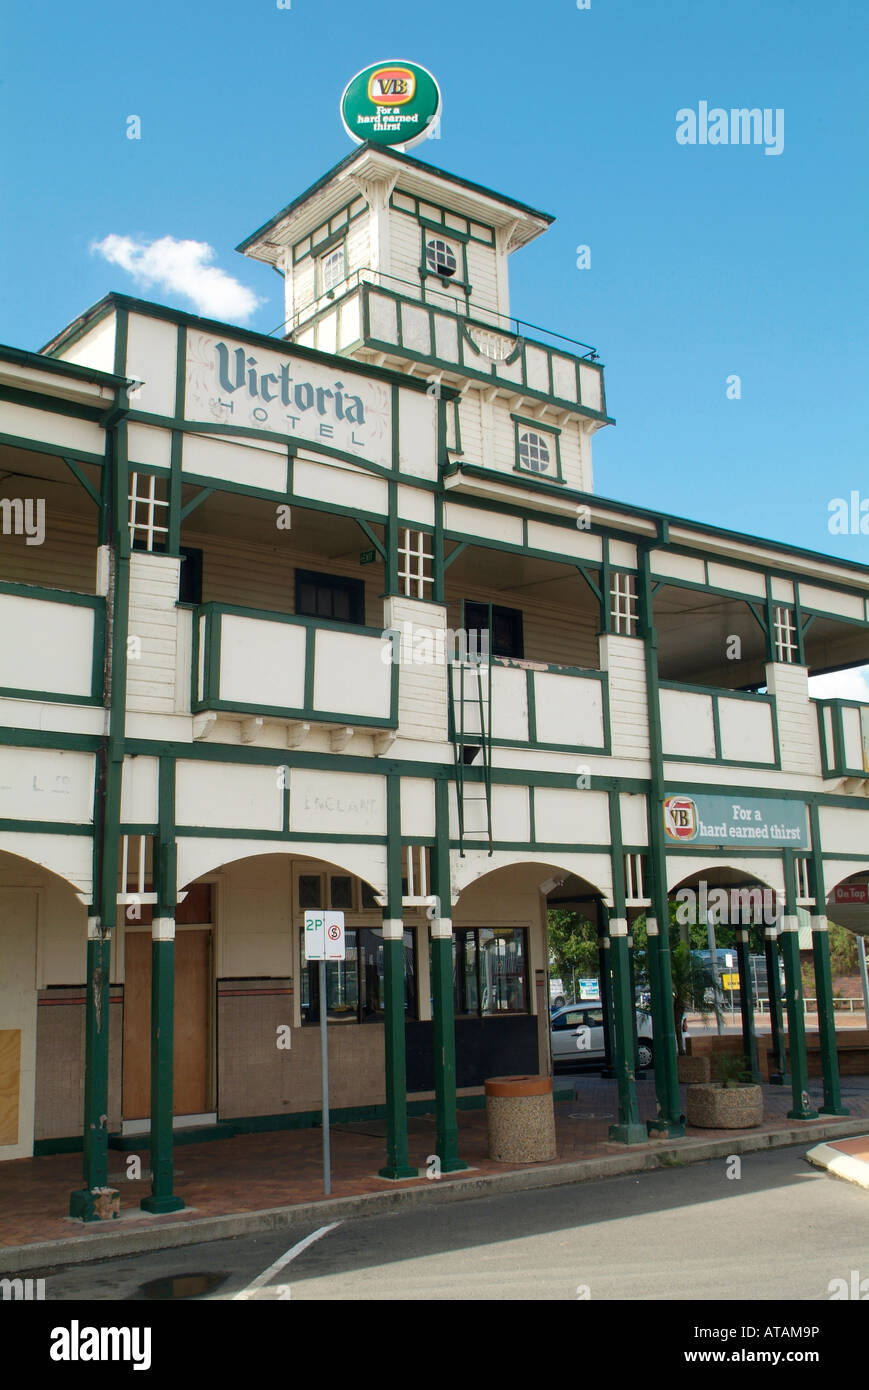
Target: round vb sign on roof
<point>391,103</point>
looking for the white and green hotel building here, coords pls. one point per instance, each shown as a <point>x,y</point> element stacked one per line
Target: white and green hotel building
<point>234,575</point>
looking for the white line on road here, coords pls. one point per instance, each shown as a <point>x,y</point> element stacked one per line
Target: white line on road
<point>283,1260</point>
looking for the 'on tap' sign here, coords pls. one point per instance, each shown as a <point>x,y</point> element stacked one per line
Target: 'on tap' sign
<point>324,936</point>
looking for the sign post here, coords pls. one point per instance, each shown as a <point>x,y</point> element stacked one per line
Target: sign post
<point>324,941</point>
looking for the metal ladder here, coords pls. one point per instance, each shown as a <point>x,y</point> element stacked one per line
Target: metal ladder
<point>471,727</point>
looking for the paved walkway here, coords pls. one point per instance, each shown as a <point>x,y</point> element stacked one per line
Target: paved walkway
<point>256,1172</point>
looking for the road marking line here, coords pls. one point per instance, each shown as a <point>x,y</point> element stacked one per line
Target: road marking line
<point>267,1274</point>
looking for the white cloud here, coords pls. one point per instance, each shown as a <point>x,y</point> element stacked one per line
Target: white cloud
<point>843,685</point>
<point>183,267</point>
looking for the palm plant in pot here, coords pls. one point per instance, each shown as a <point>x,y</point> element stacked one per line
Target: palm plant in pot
<point>728,1102</point>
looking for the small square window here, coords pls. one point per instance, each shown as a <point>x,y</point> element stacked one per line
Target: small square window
<point>341,892</point>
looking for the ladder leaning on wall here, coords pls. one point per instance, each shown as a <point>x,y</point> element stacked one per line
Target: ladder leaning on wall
<point>471,733</point>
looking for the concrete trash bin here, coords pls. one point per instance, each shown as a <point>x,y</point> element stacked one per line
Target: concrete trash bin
<point>521,1119</point>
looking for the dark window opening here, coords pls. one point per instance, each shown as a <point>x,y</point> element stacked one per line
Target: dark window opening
<point>505,628</point>
<point>330,596</point>
<point>490,971</point>
<point>355,986</point>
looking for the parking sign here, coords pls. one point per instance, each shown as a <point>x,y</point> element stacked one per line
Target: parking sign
<point>324,936</point>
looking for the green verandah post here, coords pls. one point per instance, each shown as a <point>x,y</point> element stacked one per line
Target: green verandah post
<point>781,1076</point>
<point>629,1130</point>
<point>162,1199</point>
<point>397,1161</point>
<point>790,939</point>
<point>746,1003</point>
<point>824,977</point>
<point>443,1002</point>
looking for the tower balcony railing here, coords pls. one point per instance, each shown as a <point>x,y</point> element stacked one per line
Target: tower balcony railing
<point>377,313</point>
<point>844,732</point>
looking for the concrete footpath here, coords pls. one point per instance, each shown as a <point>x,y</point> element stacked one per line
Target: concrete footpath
<point>255,1183</point>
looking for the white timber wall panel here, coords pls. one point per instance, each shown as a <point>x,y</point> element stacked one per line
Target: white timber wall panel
<point>741,581</point>
<point>415,505</point>
<point>482,273</point>
<point>233,795</point>
<point>96,347</point>
<point>418,807</point>
<point>537,368</point>
<point>350,329</point>
<point>503,437</point>
<point>846,832</point>
<point>564,815</point>
<point>590,387</point>
<point>350,676</point>
<point>422,684</point>
<point>564,377</point>
<point>828,601</point>
<point>746,731</point>
<point>154,622</point>
<point>471,427</point>
<point>571,461</point>
<point>417,433</point>
<point>511,819</point>
<point>829,746</point>
<point>148,447</point>
<point>678,566</point>
<point>569,709</point>
<point>47,784</point>
<point>446,338</point>
<point>336,803</point>
<point>383,318</point>
<point>783,590</point>
<point>46,646</point>
<point>686,724</point>
<point>797,718</point>
<point>635,826</point>
<point>853,736</point>
<point>139,789</point>
<point>68,561</point>
<point>623,554</point>
<point>348,486</point>
<point>561,540</point>
<point>304,277</point>
<point>415,329</point>
<point>245,464</point>
<point>509,703</point>
<point>327,332</point>
<point>358,245</point>
<point>262,663</point>
<point>624,659</point>
<point>406,250</point>
<point>68,433</point>
<point>152,347</point>
<point>491,525</point>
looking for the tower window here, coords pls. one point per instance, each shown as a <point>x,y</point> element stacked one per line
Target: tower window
<point>332,270</point>
<point>534,453</point>
<point>440,258</point>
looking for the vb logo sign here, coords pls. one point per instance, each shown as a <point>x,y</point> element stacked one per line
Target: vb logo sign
<point>391,86</point>
<point>680,818</point>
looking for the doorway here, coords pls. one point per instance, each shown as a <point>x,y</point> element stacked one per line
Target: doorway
<point>192,1042</point>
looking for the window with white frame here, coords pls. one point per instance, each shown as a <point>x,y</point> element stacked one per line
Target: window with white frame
<point>415,563</point>
<point>785,632</point>
<point>805,896</point>
<point>635,880</point>
<point>149,511</point>
<point>535,451</point>
<point>623,603</point>
<point>440,258</point>
<point>332,269</point>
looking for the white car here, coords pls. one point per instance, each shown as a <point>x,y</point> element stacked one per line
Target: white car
<point>577,1034</point>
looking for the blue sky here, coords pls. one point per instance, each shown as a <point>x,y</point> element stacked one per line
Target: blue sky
<point>705,261</point>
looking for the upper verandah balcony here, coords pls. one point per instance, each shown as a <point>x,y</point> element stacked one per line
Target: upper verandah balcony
<point>381,318</point>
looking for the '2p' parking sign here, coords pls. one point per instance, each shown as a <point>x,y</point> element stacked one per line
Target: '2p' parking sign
<point>324,936</point>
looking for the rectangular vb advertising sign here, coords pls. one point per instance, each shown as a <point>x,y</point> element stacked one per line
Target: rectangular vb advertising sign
<point>703,819</point>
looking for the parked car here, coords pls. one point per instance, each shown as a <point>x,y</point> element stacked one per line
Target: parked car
<point>577,1034</point>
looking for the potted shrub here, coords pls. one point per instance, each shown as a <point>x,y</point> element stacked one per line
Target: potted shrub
<point>729,1102</point>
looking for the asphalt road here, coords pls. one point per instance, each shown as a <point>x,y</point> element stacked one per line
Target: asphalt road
<point>781,1230</point>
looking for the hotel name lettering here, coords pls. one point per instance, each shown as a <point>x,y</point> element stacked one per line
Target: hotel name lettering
<point>273,392</point>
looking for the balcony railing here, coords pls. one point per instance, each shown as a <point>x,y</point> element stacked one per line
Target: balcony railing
<point>53,645</point>
<point>700,724</point>
<point>440,332</point>
<point>844,733</point>
<point>252,662</point>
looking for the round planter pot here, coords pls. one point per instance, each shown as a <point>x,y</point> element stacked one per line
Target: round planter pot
<point>715,1106</point>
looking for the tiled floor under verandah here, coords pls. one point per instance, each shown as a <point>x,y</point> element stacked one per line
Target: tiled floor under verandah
<point>253,1172</point>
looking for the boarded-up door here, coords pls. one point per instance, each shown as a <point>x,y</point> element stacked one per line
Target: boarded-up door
<point>191,1051</point>
<point>17,1019</point>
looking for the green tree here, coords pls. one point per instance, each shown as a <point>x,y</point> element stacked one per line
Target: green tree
<point>573,946</point>
<point>843,950</point>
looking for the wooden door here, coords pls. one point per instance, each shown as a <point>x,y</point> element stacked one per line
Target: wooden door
<point>18,914</point>
<point>191,1049</point>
